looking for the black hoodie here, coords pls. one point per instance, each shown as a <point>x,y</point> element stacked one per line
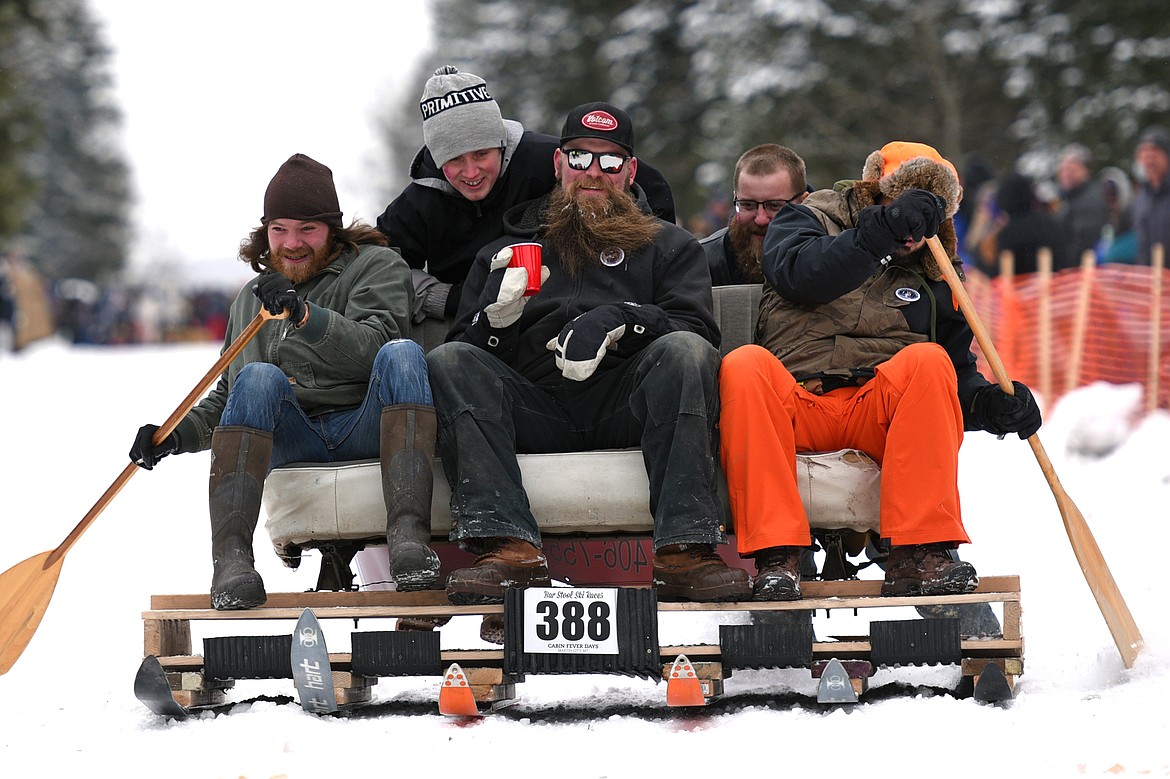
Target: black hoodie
<point>671,273</point>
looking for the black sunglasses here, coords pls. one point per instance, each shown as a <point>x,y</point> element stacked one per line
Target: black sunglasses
<point>579,159</point>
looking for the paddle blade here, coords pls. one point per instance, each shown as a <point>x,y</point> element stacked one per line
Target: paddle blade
<point>25,591</point>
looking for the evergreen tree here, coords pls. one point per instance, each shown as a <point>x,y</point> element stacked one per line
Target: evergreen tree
<point>19,127</point>
<point>73,183</point>
<point>1008,82</point>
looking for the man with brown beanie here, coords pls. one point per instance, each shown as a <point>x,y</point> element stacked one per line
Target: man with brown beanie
<point>474,166</point>
<point>338,380</point>
<point>860,345</point>
<point>617,349</point>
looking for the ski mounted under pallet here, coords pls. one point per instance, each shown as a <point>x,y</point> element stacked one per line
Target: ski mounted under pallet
<point>311,671</point>
<point>153,689</point>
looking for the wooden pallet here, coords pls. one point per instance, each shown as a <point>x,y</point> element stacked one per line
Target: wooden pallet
<point>167,635</point>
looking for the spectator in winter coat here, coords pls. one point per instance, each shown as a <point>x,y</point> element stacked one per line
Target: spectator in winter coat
<point>617,349</point>
<point>767,178</point>
<point>339,380</point>
<point>474,166</point>
<point>1118,241</point>
<point>1028,227</point>
<point>861,346</point>
<point>1082,211</point>
<point>1151,206</point>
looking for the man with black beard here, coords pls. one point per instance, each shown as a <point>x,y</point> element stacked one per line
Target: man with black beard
<point>617,349</point>
<point>767,178</point>
<point>862,346</point>
<point>338,380</point>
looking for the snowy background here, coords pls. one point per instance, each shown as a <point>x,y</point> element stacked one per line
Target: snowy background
<point>69,416</point>
<point>216,95</point>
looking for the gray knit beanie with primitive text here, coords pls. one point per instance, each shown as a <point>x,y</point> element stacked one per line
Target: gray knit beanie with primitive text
<point>459,115</point>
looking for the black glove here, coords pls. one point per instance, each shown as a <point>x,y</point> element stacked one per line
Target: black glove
<point>1001,413</point>
<point>145,454</point>
<point>276,292</point>
<point>914,215</point>
<point>624,327</point>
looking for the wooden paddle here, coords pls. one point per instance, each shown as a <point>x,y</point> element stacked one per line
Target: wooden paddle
<point>27,587</point>
<point>1109,600</point>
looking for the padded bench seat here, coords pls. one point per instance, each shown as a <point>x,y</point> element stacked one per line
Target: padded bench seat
<point>595,492</point>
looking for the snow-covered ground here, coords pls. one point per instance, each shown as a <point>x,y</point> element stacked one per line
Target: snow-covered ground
<point>69,416</point>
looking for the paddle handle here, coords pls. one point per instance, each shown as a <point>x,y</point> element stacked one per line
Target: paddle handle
<point>225,359</point>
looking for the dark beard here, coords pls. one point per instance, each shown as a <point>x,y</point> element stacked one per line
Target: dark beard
<point>298,273</point>
<point>748,252</point>
<point>910,258</point>
<point>581,228</point>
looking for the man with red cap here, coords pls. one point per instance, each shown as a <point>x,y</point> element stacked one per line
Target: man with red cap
<point>860,345</point>
<point>340,379</point>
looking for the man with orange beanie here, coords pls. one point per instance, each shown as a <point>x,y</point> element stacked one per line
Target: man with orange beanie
<point>860,345</point>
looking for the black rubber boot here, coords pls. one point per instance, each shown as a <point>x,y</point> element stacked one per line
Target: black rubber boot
<point>239,464</point>
<point>407,454</point>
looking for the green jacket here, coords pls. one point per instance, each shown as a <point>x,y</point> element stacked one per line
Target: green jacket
<point>356,304</point>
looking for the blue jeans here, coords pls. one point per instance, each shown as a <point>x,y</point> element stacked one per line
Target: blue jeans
<point>262,398</point>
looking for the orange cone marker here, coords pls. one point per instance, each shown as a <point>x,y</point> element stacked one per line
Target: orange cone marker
<point>455,697</point>
<point>683,687</point>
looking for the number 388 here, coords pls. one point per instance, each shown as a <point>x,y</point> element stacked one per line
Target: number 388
<point>572,621</point>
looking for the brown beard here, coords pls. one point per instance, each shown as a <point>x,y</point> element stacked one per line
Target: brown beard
<point>748,252</point>
<point>581,228</point>
<point>298,273</point>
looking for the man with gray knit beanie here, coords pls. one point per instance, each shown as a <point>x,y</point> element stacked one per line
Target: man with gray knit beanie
<point>339,380</point>
<point>474,166</point>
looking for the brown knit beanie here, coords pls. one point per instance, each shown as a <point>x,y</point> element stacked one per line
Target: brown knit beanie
<point>302,189</point>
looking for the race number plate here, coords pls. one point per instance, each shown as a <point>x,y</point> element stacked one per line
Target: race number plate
<point>570,620</point>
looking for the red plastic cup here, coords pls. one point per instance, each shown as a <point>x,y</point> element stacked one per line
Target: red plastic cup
<point>527,255</point>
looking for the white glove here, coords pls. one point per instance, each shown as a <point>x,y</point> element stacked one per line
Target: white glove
<point>502,297</point>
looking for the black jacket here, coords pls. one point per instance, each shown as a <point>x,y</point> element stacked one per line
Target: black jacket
<point>670,273</point>
<point>434,227</point>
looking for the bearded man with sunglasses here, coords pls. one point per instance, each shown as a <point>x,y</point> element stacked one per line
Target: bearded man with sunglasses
<point>617,349</point>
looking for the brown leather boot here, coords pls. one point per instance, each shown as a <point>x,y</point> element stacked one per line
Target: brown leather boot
<point>420,623</point>
<point>777,574</point>
<point>695,572</point>
<point>239,465</point>
<point>407,455</point>
<point>927,569</point>
<point>503,563</point>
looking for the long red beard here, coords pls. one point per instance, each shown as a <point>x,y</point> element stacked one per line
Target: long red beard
<point>581,228</point>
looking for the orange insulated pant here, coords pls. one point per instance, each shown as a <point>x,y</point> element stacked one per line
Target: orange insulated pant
<point>907,418</point>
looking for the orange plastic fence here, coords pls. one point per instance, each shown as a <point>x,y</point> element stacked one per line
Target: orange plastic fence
<point>1057,332</point>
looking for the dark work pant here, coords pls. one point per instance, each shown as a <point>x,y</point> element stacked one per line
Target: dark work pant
<point>664,399</point>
